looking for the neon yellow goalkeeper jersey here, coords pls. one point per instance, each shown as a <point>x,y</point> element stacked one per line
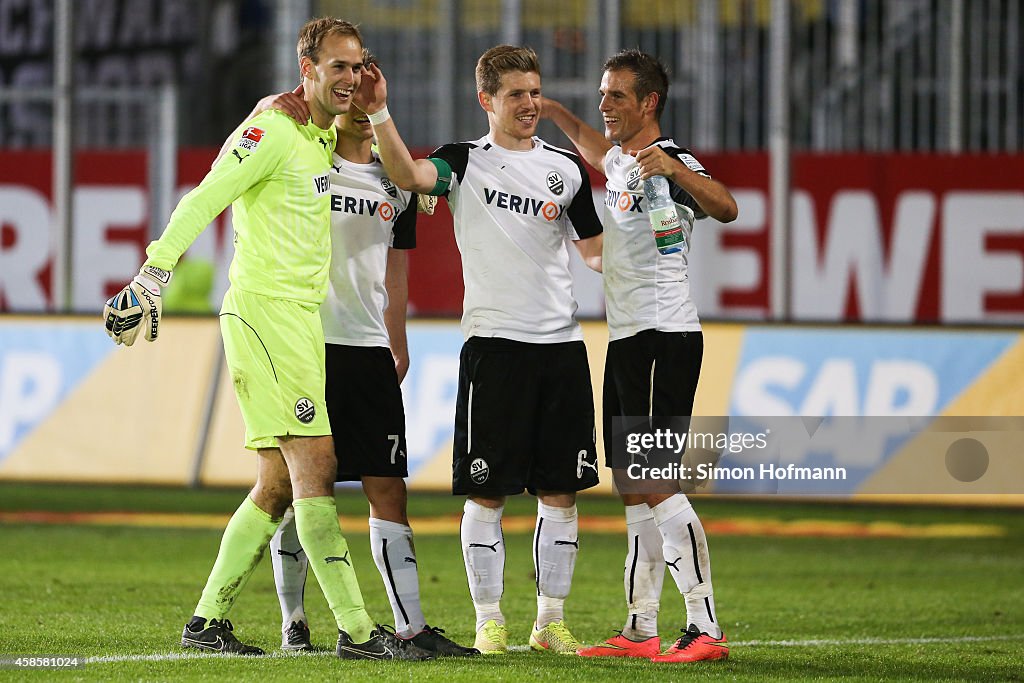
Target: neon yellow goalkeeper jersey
<point>276,178</point>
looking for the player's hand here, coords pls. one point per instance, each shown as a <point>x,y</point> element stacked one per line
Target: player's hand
<point>291,103</point>
<point>138,306</point>
<point>698,462</point>
<point>654,161</point>
<point>686,219</point>
<point>426,203</point>
<point>401,364</point>
<point>372,94</point>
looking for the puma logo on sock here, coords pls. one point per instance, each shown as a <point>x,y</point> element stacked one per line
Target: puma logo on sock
<point>328,560</point>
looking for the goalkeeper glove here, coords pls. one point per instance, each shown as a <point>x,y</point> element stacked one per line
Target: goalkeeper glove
<point>137,306</point>
<point>425,203</point>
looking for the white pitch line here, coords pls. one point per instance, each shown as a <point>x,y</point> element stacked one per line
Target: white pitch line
<point>873,641</point>
<point>176,656</point>
<point>816,642</point>
<point>819,642</point>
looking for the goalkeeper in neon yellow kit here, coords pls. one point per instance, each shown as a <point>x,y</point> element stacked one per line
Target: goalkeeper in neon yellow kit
<point>276,178</point>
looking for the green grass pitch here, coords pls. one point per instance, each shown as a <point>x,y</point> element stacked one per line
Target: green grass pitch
<point>940,602</point>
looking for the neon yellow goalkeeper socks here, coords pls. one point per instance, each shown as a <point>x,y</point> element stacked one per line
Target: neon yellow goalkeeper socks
<point>241,548</point>
<point>316,520</point>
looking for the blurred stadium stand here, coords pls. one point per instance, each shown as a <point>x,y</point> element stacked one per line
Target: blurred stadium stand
<point>903,116</point>
<point>871,75</point>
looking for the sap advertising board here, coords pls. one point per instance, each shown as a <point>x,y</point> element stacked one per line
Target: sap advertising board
<point>61,417</point>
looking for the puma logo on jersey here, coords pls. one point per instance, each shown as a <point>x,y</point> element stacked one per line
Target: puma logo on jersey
<point>364,207</point>
<point>623,201</point>
<point>528,206</point>
<point>239,156</point>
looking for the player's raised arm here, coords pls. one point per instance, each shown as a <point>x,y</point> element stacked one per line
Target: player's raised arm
<point>416,175</point>
<point>589,141</point>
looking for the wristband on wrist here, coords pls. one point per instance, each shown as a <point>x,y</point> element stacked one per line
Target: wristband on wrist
<point>159,275</point>
<point>379,117</point>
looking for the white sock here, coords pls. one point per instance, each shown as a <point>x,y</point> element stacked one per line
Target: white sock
<point>644,573</point>
<point>555,546</point>
<point>290,564</point>
<point>686,554</point>
<point>392,548</point>
<point>483,550</point>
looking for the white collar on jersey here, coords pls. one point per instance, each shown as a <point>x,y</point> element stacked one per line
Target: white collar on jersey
<point>490,140</point>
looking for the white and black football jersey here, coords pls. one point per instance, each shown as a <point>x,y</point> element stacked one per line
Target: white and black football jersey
<point>644,289</point>
<point>515,212</point>
<point>369,214</point>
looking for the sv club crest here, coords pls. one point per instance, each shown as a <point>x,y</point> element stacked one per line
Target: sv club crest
<point>555,183</point>
<point>633,179</point>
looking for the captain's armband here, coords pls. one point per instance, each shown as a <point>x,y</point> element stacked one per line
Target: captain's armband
<point>444,176</point>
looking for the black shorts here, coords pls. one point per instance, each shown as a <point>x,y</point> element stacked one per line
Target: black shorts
<point>675,358</point>
<point>524,419</point>
<point>364,403</point>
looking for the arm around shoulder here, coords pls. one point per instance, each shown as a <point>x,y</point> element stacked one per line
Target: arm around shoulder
<point>590,142</point>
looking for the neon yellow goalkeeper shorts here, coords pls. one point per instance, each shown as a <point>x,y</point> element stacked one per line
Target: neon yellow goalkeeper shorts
<point>275,354</point>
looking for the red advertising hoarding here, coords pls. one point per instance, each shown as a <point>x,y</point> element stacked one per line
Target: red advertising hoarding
<point>890,237</point>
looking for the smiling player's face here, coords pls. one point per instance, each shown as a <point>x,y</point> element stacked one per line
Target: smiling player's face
<point>335,76</point>
<point>354,125</point>
<point>621,110</point>
<point>514,110</point>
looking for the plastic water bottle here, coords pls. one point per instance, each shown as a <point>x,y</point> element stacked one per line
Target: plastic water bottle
<point>661,210</point>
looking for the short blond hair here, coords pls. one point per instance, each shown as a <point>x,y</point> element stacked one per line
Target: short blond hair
<point>500,60</point>
<point>311,36</point>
